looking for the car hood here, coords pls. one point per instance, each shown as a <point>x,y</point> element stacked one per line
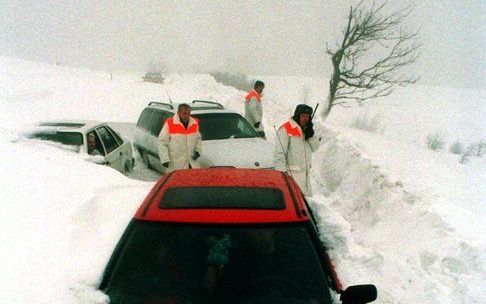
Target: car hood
<point>237,152</point>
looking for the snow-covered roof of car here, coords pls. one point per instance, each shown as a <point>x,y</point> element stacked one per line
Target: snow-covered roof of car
<point>224,195</point>
<point>68,125</point>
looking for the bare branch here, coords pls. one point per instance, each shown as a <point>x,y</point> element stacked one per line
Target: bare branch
<point>372,52</point>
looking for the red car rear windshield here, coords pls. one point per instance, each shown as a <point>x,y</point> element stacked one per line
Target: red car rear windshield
<point>223,197</point>
<point>173,263</point>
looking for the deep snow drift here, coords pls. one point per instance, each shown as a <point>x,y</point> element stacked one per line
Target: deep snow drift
<point>396,214</point>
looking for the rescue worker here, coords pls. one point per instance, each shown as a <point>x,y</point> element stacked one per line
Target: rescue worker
<point>253,106</point>
<point>294,146</point>
<point>180,141</point>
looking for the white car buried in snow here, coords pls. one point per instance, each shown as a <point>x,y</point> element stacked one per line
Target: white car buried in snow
<point>97,139</point>
<point>227,138</point>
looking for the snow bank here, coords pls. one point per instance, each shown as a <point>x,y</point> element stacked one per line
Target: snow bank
<point>387,222</point>
<point>43,189</point>
<point>33,92</point>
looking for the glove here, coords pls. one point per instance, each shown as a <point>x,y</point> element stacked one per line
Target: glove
<point>256,125</point>
<point>309,130</point>
<point>195,155</point>
<point>166,164</point>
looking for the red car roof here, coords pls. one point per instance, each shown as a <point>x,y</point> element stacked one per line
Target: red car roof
<point>293,211</point>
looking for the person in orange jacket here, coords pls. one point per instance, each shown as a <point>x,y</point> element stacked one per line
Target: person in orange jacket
<point>294,146</point>
<point>180,141</point>
<point>253,106</point>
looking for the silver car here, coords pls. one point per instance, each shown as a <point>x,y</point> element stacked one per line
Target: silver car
<point>227,138</point>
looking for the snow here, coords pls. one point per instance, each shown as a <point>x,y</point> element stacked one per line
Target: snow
<point>409,234</point>
<point>392,212</point>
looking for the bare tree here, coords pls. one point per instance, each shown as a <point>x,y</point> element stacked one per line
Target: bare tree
<point>367,61</point>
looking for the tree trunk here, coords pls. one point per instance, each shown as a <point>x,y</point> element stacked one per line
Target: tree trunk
<point>326,108</point>
<point>333,84</point>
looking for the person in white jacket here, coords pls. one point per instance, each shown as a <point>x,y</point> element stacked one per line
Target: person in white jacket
<point>253,106</point>
<point>180,141</point>
<point>294,145</point>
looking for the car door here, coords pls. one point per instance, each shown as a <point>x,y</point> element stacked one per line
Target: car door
<point>114,152</point>
<point>141,132</point>
<point>157,120</point>
<point>125,146</point>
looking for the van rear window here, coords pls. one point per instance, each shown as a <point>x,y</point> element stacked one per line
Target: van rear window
<point>223,197</point>
<point>143,120</point>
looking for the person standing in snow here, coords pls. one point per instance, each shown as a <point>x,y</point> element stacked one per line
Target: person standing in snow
<point>294,146</point>
<point>180,141</point>
<point>253,106</point>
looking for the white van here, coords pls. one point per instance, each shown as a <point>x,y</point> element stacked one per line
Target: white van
<point>227,138</point>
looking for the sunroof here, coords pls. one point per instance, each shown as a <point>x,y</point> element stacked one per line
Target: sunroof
<point>62,124</point>
<point>222,197</point>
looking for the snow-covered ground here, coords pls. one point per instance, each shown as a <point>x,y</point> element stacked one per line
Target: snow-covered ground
<point>396,214</point>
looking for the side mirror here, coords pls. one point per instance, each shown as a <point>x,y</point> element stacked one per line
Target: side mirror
<point>359,294</point>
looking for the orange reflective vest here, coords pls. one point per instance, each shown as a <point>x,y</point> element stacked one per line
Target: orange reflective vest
<point>292,131</point>
<point>177,144</point>
<point>176,128</point>
<point>253,94</point>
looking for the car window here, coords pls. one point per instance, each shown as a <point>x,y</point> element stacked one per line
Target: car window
<point>157,121</point>
<point>223,197</point>
<point>115,134</point>
<point>143,120</point>
<point>65,138</point>
<point>244,127</point>
<point>94,145</point>
<point>160,261</point>
<point>223,126</point>
<point>107,139</point>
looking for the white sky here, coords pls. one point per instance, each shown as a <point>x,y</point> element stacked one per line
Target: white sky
<point>255,37</point>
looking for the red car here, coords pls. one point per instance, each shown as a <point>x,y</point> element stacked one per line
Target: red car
<point>225,235</point>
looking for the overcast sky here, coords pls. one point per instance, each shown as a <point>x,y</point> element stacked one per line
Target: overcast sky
<point>254,37</point>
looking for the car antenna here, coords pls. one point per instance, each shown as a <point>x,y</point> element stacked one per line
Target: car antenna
<point>299,212</point>
<point>167,92</point>
<point>287,165</point>
<point>314,112</point>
